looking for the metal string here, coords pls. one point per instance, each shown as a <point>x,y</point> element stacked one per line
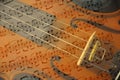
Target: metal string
<point>42,40</point>
<point>59,39</point>
<point>54,26</point>
<point>60,49</point>
<point>45,32</point>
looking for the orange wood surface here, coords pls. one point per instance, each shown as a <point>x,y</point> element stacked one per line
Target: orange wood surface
<point>16,51</point>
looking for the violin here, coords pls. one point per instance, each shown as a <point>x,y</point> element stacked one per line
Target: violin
<point>59,40</point>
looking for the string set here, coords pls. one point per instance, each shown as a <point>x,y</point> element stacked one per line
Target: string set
<point>54,37</point>
<point>60,49</point>
<point>50,34</point>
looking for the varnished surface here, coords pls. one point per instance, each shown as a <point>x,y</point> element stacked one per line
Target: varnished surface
<point>17,53</point>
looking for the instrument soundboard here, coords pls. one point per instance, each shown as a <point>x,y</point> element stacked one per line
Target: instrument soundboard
<point>59,39</point>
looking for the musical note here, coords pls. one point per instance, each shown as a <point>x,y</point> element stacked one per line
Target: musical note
<point>38,72</point>
<point>3,16</point>
<point>85,9</point>
<point>25,27</point>
<point>11,12</point>
<point>30,73</point>
<point>42,27</point>
<point>22,65</point>
<point>32,38</point>
<point>98,6</point>
<point>98,25</point>
<point>34,12</point>
<point>5,32</point>
<point>38,24</point>
<point>6,1</point>
<point>25,76</point>
<point>60,73</point>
